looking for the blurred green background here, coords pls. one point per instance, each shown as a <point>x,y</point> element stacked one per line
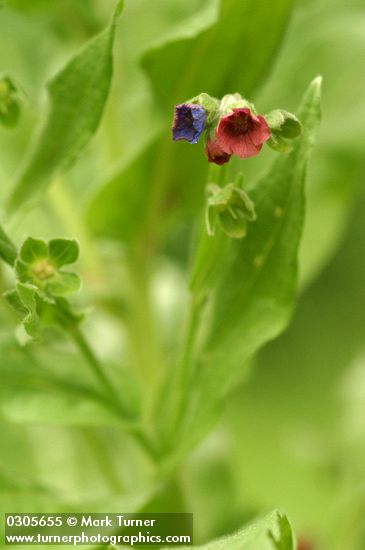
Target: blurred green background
<point>293,436</point>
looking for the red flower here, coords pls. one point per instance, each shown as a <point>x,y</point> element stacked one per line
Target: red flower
<point>242,133</point>
<point>304,544</point>
<point>215,153</point>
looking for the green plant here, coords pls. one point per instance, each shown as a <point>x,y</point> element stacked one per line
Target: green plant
<point>138,374</point>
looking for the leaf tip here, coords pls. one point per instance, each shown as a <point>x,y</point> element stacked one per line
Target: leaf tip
<point>118,9</point>
<point>316,84</point>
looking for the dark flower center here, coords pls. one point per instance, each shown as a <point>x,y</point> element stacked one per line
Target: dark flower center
<point>240,123</point>
<point>187,118</point>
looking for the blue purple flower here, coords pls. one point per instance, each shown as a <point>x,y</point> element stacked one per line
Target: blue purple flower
<point>189,122</point>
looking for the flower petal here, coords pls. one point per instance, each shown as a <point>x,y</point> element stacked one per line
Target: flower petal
<point>245,148</point>
<point>242,133</point>
<point>260,131</point>
<point>189,122</point>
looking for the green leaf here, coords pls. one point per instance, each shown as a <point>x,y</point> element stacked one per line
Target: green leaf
<point>53,388</point>
<point>63,283</point>
<point>24,301</point>
<point>257,536</point>
<point>251,299</point>
<point>33,395</point>
<point>63,251</point>
<point>285,540</point>
<point>78,94</point>
<point>119,9</point>
<point>283,412</point>
<point>13,299</point>
<point>211,61</point>
<point>8,251</point>
<point>119,209</point>
<point>33,250</point>
<point>336,172</point>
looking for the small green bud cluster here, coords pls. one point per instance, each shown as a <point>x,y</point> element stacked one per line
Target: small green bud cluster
<point>283,125</point>
<point>232,126</point>
<point>40,264</point>
<point>231,208</point>
<point>42,285</point>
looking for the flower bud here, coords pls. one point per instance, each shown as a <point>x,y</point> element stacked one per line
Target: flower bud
<point>215,153</point>
<point>231,207</point>
<point>210,105</point>
<point>9,102</point>
<point>235,101</point>
<point>284,124</point>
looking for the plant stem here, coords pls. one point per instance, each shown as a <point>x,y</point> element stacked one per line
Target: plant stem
<point>63,204</point>
<point>144,341</point>
<point>99,372</point>
<point>94,363</point>
<point>186,368</point>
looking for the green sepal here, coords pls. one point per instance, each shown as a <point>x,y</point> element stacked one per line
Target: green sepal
<point>36,310</point>
<point>235,101</point>
<point>13,299</point>
<point>210,104</point>
<point>33,250</point>
<point>63,251</point>
<point>277,143</point>
<point>23,272</point>
<point>233,222</point>
<point>63,283</point>
<point>231,207</point>
<point>39,263</point>
<point>24,300</point>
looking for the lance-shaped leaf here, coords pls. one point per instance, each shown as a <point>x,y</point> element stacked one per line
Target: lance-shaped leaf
<point>273,532</point>
<point>77,96</point>
<point>8,251</point>
<point>212,60</point>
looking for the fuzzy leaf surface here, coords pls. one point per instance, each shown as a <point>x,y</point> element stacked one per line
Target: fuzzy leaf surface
<point>77,97</point>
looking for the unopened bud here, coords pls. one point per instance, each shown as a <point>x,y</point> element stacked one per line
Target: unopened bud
<point>235,101</point>
<point>284,124</point>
